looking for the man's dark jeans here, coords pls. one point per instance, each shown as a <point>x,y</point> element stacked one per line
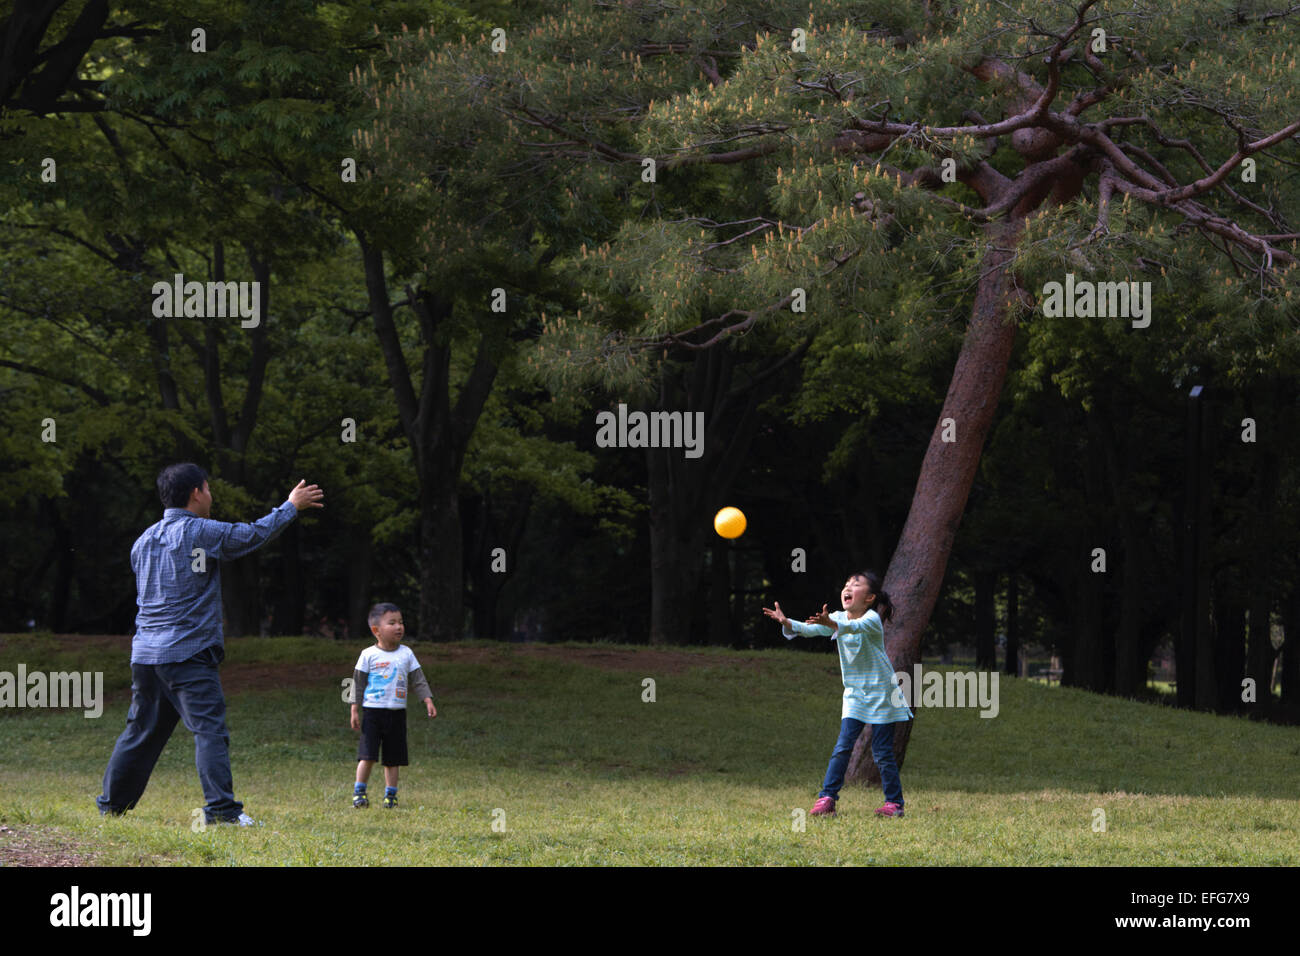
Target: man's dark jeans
<point>882,749</point>
<point>162,694</point>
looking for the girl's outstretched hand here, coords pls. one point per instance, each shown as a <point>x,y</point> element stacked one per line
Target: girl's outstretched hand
<point>778,615</point>
<point>824,619</point>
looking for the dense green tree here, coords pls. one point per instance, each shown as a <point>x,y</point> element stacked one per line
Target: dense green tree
<point>940,163</point>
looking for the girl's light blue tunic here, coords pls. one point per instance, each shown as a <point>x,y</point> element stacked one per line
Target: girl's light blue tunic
<point>868,676</point>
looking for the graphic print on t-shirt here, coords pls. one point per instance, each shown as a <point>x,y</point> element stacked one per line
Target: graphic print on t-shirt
<point>386,684</point>
<point>381,675</point>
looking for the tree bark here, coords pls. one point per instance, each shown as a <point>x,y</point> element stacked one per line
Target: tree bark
<point>494,521</point>
<point>442,575</point>
<point>917,568</point>
<point>438,433</point>
<point>36,80</point>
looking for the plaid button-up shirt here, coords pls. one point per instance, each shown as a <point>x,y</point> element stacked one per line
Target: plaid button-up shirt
<point>177,565</point>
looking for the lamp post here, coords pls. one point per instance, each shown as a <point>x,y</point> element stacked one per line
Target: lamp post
<point>1194,651</point>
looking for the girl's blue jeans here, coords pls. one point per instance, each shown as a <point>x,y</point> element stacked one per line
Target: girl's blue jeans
<point>882,749</point>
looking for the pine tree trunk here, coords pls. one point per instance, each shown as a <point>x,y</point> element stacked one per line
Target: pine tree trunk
<point>917,567</point>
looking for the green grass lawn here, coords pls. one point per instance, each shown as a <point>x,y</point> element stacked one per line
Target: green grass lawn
<point>555,744</point>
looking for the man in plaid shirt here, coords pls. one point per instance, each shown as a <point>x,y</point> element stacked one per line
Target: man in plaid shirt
<point>178,642</point>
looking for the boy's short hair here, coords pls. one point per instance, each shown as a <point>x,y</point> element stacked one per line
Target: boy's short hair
<point>379,610</point>
<point>175,482</point>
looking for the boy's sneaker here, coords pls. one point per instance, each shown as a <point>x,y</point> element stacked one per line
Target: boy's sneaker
<point>390,803</point>
<point>890,810</point>
<point>360,801</point>
<point>824,807</point>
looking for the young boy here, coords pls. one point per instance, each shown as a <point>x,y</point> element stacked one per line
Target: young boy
<point>383,673</point>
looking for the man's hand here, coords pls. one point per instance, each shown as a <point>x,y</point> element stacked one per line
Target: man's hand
<point>824,619</point>
<point>356,718</point>
<point>428,705</point>
<point>778,615</point>
<point>306,496</point>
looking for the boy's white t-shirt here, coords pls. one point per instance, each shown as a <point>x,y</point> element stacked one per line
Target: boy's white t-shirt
<point>386,685</point>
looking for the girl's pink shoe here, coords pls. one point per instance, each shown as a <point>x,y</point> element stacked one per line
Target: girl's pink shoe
<point>890,810</point>
<point>824,807</point>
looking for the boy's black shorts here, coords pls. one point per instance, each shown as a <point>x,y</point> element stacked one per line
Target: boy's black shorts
<point>381,727</point>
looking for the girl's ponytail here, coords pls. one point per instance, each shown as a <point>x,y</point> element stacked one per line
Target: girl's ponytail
<point>882,605</point>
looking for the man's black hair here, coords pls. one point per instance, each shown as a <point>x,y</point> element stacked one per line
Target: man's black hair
<point>175,482</point>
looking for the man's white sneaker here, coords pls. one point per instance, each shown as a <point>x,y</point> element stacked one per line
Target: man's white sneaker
<point>244,821</point>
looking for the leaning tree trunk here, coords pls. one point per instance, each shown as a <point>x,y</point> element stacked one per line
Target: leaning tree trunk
<point>947,472</point>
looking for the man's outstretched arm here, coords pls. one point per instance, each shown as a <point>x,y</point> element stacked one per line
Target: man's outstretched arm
<point>224,540</point>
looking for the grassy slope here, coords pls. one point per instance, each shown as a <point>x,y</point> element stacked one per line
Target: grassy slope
<point>559,739</point>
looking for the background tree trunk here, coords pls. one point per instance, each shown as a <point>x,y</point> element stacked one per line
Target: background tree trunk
<point>360,569</point>
<point>442,577</point>
<point>685,493</point>
<point>1206,687</point>
<point>1230,649</point>
<point>986,648</point>
<point>1289,705</point>
<point>1263,556</point>
<point>289,609</point>
<point>1012,663</point>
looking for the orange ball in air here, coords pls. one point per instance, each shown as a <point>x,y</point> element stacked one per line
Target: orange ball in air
<point>729,522</point>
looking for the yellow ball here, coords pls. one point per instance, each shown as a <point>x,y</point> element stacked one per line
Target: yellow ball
<point>729,522</point>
